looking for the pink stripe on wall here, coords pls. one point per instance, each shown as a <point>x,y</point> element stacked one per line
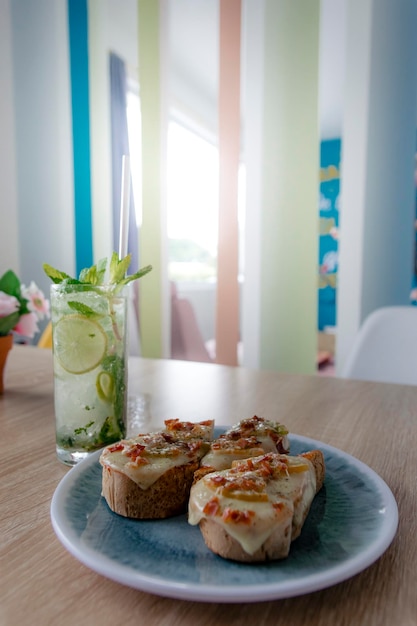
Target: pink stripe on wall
<point>227,307</point>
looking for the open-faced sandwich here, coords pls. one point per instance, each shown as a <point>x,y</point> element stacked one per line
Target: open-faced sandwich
<point>252,511</point>
<point>150,476</point>
<point>248,438</point>
<point>249,497</point>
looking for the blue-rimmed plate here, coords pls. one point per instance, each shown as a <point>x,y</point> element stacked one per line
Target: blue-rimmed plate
<point>351,523</point>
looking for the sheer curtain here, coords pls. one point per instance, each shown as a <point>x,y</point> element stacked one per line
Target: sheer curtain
<point>120,146</point>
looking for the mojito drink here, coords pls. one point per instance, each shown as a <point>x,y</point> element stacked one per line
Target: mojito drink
<point>89,328</point>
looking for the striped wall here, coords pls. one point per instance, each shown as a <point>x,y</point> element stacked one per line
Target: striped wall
<point>80,108</point>
<point>280,144</point>
<point>378,164</point>
<point>151,305</point>
<point>42,135</point>
<point>9,237</point>
<point>283,275</point>
<point>287,266</point>
<point>290,166</point>
<point>227,311</point>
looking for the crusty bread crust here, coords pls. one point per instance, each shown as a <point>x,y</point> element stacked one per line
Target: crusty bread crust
<point>221,543</point>
<point>168,496</point>
<point>202,471</point>
<point>277,545</point>
<point>316,458</point>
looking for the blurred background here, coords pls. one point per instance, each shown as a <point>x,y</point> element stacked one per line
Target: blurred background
<point>272,150</point>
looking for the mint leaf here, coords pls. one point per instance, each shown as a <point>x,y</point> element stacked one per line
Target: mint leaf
<point>116,367</point>
<point>83,429</point>
<point>71,281</point>
<point>114,262</point>
<point>101,271</point>
<point>95,274</point>
<point>118,268</point>
<point>136,275</point>
<point>83,309</point>
<point>55,275</point>
<point>88,275</point>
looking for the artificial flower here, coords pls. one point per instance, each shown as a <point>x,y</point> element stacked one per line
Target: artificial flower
<point>20,307</point>
<point>37,302</point>
<point>27,325</point>
<point>8,304</point>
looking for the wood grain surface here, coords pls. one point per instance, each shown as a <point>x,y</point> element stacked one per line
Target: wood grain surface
<point>41,583</point>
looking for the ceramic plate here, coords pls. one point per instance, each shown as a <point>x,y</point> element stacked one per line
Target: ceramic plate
<point>351,523</point>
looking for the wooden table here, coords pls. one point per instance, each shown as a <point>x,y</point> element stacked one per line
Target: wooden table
<point>41,583</point>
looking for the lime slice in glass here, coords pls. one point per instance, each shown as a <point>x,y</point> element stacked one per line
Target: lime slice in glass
<point>105,386</point>
<point>79,344</point>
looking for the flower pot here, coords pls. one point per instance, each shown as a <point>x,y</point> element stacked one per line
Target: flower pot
<point>6,344</point>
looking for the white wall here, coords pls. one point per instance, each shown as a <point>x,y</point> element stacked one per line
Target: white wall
<point>36,167</point>
<point>112,28</point>
<point>378,189</point>
<point>253,104</point>
<point>9,241</point>
<point>332,67</point>
<point>193,63</point>
<point>122,30</point>
<point>43,139</point>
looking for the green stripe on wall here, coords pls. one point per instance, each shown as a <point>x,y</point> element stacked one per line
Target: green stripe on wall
<point>78,44</point>
<point>150,301</point>
<point>289,254</point>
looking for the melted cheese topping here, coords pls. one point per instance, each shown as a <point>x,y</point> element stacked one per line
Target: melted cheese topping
<point>145,458</point>
<point>248,438</point>
<point>222,456</point>
<point>255,498</point>
<point>190,430</point>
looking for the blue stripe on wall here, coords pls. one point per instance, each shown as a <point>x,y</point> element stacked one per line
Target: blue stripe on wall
<point>78,43</point>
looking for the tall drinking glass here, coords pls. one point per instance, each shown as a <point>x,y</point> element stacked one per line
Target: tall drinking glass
<point>89,329</point>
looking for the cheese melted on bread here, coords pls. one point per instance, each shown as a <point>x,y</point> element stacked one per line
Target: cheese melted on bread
<point>248,438</point>
<point>145,458</point>
<point>255,498</point>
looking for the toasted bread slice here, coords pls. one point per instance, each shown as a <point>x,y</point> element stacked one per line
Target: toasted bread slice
<point>219,541</point>
<point>316,458</point>
<point>150,476</point>
<point>248,438</point>
<point>167,497</point>
<point>253,511</point>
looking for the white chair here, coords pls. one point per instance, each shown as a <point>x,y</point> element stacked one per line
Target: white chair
<point>385,349</point>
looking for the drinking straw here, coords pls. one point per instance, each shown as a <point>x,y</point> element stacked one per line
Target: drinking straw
<point>124,206</point>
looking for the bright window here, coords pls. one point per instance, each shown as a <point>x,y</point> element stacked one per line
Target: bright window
<point>192,197</point>
<point>192,205</point>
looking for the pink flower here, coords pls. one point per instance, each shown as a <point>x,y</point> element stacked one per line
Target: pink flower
<point>27,325</point>
<point>8,304</point>
<point>37,303</point>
